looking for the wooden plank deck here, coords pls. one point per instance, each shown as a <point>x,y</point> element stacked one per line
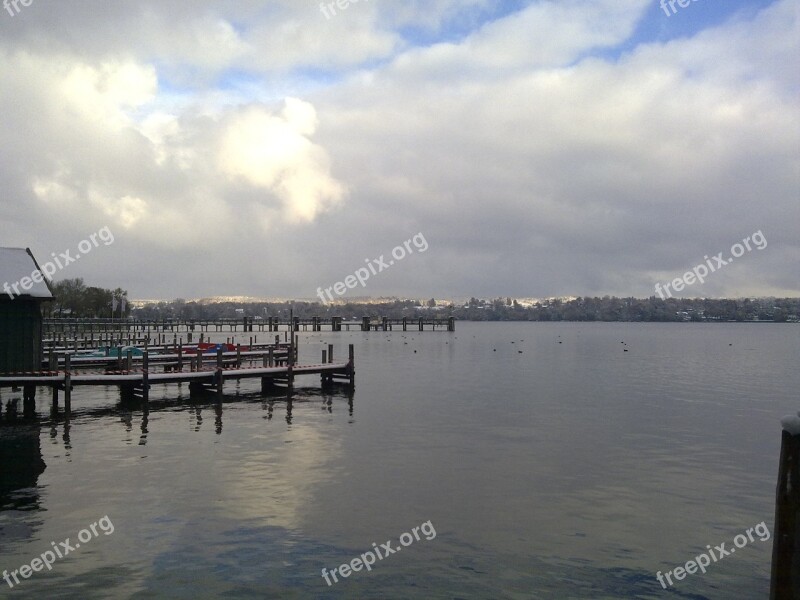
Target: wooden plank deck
<point>136,383</point>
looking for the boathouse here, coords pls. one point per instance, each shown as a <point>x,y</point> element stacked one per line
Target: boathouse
<point>24,291</point>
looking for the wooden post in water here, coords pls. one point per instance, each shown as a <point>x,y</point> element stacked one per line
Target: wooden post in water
<point>67,384</point>
<point>351,366</point>
<point>290,365</point>
<point>145,376</point>
<point>330,353</point>
<point>785,584</point>
<point>219,374</point>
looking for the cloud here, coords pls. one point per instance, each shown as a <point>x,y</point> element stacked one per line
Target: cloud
<point>103,146</point>
<point>272,152</point>
<point>545,148</point>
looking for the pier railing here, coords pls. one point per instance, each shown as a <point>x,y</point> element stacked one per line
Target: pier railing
<point>202,372</point>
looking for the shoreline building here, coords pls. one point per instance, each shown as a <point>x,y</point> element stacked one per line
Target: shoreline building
<point>25,288</point>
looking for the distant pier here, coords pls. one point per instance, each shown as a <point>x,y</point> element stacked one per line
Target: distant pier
<point>70,326</point>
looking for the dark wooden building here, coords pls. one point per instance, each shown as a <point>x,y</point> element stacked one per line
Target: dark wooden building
<point>24,291</point>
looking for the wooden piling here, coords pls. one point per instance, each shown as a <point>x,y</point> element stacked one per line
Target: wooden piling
<point>145,377</point>
<point>785,583</point>
<point>351,371</point>
<point>67,384</point>
<point>219,374</point>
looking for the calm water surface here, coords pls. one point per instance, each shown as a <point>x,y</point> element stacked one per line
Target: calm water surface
<point>551,464</point>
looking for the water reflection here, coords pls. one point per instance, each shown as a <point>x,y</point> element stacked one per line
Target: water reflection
<point>218,418</point>
<point>21,460</point>
<point>143,436</point>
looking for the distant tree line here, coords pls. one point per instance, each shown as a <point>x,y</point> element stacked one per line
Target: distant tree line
<point>73,298</point>
<point>607,308</point>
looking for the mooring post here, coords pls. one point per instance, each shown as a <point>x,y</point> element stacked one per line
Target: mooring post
<point>180,357</point>
<point>238,356</point>
<point>67,384</point>
<point>351,371</point>
<point>330,353</point>
<point>324,356</point>
<point>785,584</point>
<point>290,363</point>
<point>219,373</point>
<point>145,376</point>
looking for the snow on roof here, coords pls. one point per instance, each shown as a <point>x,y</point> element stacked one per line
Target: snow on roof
<point>791,424</point>
<point>16,264</point>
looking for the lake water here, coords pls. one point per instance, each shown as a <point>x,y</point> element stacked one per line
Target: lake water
<point>549,462</point>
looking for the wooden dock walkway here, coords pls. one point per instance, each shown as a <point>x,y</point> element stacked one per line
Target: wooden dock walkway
<point>136,383</point>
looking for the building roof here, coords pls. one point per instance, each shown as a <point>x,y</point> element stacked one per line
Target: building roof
<point>16,264</point>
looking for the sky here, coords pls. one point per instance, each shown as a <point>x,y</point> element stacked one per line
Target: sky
<point>521,148</point>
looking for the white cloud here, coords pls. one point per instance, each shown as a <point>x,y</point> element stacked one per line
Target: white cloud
<point>534,164</point>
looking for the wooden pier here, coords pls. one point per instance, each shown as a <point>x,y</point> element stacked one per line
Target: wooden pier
<point>134,383</point>
<point>71,327</point>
